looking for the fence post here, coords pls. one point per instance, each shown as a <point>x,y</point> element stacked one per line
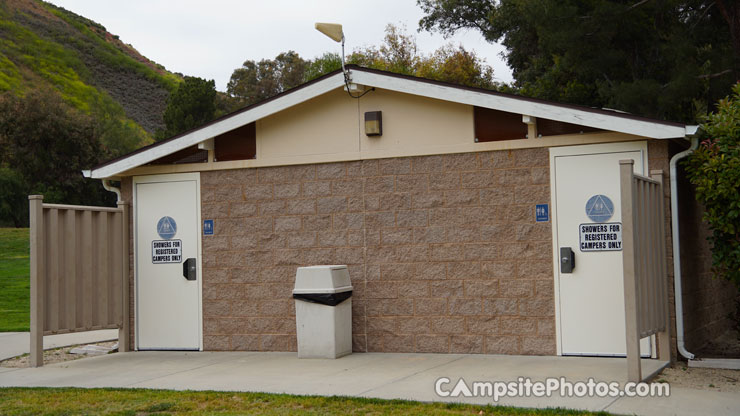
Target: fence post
<point>36,217</point>
<point>124,334</point>
<point>634,371</point>
<point>664,336</point>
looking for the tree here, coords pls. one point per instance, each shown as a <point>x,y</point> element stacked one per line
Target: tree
<point>714,169</point>
<point>730,10</point>
<point>44,146</point>
<point>458,66</point>
<point>191,105</point>
<point>257,81</point>
<point>323,64</point>
<point>399,53</point>
<point>13,199</point>
<point>662,58</point>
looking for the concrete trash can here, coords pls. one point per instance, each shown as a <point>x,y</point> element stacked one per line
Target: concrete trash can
<point>323,311</point>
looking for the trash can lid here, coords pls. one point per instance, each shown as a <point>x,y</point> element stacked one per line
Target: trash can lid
<point>322,279</point>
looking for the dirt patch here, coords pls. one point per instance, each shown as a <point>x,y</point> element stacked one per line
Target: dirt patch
<point>57,355</point>
<point>725,346</point>
<point>715,379</point>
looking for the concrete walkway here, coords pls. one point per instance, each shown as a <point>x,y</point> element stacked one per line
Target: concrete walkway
<point>13,344</point>
<point>387,376</point>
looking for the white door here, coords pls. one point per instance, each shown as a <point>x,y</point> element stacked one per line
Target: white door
<point>586,193</point>
<point>167,218</point>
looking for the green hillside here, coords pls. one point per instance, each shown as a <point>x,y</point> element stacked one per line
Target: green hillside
<point>46,47</point>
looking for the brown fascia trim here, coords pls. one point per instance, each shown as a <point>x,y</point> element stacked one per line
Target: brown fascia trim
<point>410,78</point>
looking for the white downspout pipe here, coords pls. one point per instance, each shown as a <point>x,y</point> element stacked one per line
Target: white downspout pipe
<point>677,289</point>
<point>110,188</point>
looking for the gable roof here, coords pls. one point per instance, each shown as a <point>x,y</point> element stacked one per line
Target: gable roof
<point>585,116</point>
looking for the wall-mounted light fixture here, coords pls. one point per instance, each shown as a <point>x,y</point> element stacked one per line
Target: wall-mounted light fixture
<point>374,123</point>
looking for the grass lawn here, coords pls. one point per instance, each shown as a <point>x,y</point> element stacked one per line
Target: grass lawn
<point>14,281</point>
<point>33,401</point>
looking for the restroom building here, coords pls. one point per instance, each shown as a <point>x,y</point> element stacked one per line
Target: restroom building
<point>448,204</point>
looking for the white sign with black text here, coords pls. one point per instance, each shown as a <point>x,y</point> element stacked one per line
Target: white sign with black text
<point>601,237</point>
<point>166,251</point>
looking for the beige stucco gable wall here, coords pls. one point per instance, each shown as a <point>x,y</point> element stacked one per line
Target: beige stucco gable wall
<point>411,123</point>
<point>330,128</point>
<point>333,124</point>
<point>325,125</point>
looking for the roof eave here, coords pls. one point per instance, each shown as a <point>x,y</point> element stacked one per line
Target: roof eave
<point>596,118</point>
<point>222,126</point>
<point>691,130</point>
<point>536,108</point>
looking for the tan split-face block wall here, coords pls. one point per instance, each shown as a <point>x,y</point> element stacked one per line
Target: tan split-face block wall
<point>444,252</point>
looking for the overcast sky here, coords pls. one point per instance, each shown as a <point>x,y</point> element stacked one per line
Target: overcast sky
<point>211,38</point>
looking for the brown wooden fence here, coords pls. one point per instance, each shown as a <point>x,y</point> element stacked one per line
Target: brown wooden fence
<point>644,262</point>
<point>79,271</point>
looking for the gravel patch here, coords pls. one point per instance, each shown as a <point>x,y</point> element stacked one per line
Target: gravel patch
<point>57,355</point>
<point>714,379</point>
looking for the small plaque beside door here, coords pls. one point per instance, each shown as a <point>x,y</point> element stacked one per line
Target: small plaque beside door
<point>542,212</point>
<point>207,227</point>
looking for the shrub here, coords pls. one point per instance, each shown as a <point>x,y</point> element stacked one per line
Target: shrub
<point>714,169</point>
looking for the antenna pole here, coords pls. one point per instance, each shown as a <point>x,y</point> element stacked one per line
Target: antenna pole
<point>344,70</point>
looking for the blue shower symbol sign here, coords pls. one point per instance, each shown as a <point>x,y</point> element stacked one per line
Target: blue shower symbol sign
<point>166,227</point>
<point>599,208</point>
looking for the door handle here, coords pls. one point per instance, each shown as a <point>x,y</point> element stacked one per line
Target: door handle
<point>567,260</point>
<point>189,270</point>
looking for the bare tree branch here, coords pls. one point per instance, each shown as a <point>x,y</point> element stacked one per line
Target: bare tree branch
<point>638,4</point>
<point>715,75</point>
